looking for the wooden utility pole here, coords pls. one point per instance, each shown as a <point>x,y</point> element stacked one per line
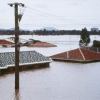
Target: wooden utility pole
<point>16,44</point>
<point>16,48</point>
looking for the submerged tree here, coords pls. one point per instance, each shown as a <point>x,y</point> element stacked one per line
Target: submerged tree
<point>84,37</point>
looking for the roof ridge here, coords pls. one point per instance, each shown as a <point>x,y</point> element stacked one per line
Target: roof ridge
<point>82,54</point>
<point>67,53</point>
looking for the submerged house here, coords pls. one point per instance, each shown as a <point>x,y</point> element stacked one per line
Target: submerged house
<point>27,60</point>
<point>41,44</point>
<point>96,49</point>
<point>10,42</point>
<point>77,55</point>
<point>6,43</point>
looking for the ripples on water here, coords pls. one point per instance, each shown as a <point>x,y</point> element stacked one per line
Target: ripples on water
<point>61,81</point>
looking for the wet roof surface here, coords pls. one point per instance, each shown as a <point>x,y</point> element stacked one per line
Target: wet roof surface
<point>8,58</point>
<point>77,54</point>
<point>42,44</point>
<point>6,42</point>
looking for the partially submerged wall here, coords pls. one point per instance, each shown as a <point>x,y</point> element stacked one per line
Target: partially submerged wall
<point>11,69</point>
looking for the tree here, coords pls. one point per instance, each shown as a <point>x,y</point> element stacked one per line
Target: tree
<point>84,38</point>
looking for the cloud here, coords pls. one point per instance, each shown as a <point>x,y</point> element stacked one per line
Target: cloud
<point>75,3</point>
<point>71,13</point>
<point>41,5</point>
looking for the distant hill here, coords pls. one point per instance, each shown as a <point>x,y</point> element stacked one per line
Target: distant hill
<point>2,29</point>
<point>12,29</point>
<point>49,28</point>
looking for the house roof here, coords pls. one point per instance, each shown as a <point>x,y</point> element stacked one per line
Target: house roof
<point>25,57</point>
<point>96,49</point>
<point>79,54</point>
<point>41,44</point>
<point>6,42</point>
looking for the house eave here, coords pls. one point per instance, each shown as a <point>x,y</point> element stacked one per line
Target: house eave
<point>25,64</point>
<point>74,60</point>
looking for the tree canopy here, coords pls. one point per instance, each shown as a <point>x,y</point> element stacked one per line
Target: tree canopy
<point>84,37</point>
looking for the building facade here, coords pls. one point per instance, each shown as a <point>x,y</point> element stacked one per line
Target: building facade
<point>95,29</point>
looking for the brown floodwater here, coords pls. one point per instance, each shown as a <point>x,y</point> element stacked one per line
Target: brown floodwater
<point>61,81</point>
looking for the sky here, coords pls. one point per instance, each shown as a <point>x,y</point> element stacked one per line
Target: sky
<point>60,14</point>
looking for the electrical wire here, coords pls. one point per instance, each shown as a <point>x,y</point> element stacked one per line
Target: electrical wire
<point>46,14</point>
<point>43,16</point>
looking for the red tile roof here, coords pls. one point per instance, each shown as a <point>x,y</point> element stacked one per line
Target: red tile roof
<point>41,44</point>
<point>60,55</point>
<point>6,42</point>
<point>90,55</point>
<point>79,54</point>
<point>75,54</point>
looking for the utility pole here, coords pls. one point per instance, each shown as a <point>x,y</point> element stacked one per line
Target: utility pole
<point>16,43</point>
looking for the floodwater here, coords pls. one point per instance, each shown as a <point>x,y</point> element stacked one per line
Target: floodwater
<point>61,81</point>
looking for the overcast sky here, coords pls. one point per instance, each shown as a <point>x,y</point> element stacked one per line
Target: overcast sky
<point>61,14</point>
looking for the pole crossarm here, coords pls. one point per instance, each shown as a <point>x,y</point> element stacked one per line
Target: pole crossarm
<point>20,4</point>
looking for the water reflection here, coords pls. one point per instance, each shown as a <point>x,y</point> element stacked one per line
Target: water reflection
<point>61,81</point>
<point>17,95</point>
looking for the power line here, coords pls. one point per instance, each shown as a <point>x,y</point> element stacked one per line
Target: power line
<point>50,16</point>
<point>46,14</point>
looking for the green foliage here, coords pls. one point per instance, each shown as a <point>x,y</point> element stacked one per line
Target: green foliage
<point>85,37</point>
